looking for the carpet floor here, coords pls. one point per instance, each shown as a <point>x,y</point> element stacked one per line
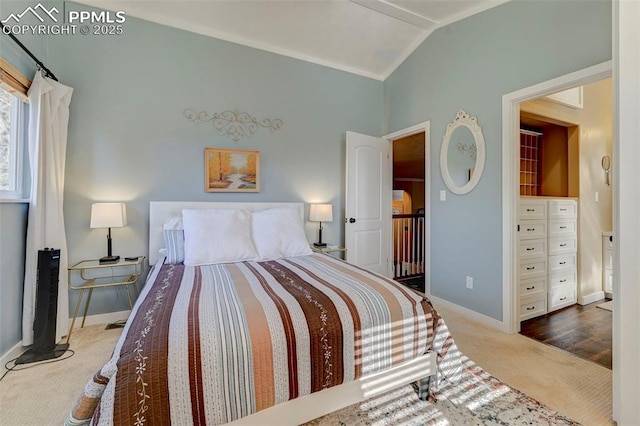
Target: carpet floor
<point>580,390</point>
<point>478,399</point>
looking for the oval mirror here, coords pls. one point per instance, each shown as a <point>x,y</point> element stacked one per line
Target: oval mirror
<point>462,154</point>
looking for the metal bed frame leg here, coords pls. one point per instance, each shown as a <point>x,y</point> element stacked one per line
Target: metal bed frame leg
<point>422,388</point>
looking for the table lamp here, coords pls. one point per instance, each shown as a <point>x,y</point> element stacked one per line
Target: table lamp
<point>108,215</point>
<point>320,213</point>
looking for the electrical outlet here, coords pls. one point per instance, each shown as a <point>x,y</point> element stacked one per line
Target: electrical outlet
<point>443,195</point>
<point>470,282</point>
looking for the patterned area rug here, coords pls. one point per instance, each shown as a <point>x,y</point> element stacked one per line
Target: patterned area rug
<point>479,399</point>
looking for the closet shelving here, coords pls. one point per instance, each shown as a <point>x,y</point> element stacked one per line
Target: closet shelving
<point>529,162</point>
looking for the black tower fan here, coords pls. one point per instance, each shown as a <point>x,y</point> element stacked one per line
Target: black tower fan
<point>44,324</point>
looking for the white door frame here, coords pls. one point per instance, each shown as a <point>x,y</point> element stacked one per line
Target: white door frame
<point>626,202</point>
<point>511,176</point>
<point>425,127</point>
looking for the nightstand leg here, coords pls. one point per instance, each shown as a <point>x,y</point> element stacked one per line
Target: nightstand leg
<point>75,314</point>
<point>86,307</point>
<point>129,297</point>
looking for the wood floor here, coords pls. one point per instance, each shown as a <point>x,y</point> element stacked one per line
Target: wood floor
<point>585,331</point>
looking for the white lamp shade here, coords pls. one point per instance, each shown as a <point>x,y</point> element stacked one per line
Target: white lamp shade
<point>321,213</point>
<point>108,215</point>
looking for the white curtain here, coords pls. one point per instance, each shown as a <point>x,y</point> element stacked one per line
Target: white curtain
<point>48,122</point>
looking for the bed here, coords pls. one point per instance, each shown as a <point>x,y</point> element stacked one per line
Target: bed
<point>274,340</point>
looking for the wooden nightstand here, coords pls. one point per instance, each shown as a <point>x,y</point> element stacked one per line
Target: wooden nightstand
<point>341,251</point>
<point>96,275</point>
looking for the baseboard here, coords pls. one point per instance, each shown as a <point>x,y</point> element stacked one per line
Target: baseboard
<point>12,353</point>
<point>593,297</point>
<point>101,318</point>
<point>471,315</point>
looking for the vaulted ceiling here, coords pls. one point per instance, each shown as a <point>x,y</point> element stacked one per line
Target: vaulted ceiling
<point>366,37</point>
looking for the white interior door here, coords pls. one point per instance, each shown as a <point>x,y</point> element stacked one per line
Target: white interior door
<point>368,203</point>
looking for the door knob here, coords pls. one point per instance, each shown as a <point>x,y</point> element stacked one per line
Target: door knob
<point>352,220</point>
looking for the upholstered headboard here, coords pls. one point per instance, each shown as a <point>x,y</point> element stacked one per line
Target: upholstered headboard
<point>160,212</point>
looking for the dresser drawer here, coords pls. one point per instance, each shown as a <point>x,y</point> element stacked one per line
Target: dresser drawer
<point>532,209</point>
<point>532,248</point>
<point>531,229</point>
<point>559,262</point>
<point>561,297</point>
<point>560,227</point>
<point>533,308</point>
<point>562,245</point>
<point>531,268</point>
<point>533,286</point>
<point>562,278</point>
<point>567,209</point>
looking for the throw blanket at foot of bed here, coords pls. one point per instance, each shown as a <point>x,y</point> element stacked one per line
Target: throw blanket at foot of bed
<point>211,344</point>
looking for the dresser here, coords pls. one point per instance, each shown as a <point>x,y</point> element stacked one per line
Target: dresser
<point>547,253</point>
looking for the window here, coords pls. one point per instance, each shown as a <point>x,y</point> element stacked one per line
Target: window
<point>11,145</point>
<point>13,89</point>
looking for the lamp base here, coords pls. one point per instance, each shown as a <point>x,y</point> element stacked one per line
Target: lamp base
<point>319,244</point>
<point>109,259</point>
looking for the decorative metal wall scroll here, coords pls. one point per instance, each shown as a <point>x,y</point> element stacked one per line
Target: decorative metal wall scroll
<point>233,123</point>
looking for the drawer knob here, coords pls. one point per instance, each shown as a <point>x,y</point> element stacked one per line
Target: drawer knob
<point>531,308</point>
<point>563,210</point>
<point>563,281</point>
<point>531,210</point>
<point>531,268</point>
<point>563,227</point>
<point>563,245</point>
<point>531,288</point>
<point>563,263</point>
<point>563,298</point>
<point>531,229</point>
<point>530,248</point>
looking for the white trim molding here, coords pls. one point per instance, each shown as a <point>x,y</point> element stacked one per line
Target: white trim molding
<point>469,314</point>
<point>590,298</point>
<point>12,354</point>
<point>98,319</point>
<point>626,203</point>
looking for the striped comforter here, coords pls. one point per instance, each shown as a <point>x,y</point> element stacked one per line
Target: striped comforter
<point>211,344</point>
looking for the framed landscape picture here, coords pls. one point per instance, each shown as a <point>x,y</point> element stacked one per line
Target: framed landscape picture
<point>231,170</point>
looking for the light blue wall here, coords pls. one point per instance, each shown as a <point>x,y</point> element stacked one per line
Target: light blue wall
<point>13,227</point>
<point>470,65</point>
<point>13,216</point>
<point>129,141</point>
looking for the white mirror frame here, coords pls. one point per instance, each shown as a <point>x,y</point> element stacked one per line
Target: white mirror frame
<point>463,119</point>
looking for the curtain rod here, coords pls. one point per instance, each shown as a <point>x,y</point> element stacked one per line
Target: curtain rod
<point>47,71</point>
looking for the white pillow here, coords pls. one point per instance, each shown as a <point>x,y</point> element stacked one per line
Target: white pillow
<point>278,232</point>
<point>173,232</point>
<point>217,236</point>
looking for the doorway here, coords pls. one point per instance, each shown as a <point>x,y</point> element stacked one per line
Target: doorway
<point>512,205</point>
<point>511,178</point>
<point>410,150</point>
<point>408,210</point>
<point>563,148</point>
